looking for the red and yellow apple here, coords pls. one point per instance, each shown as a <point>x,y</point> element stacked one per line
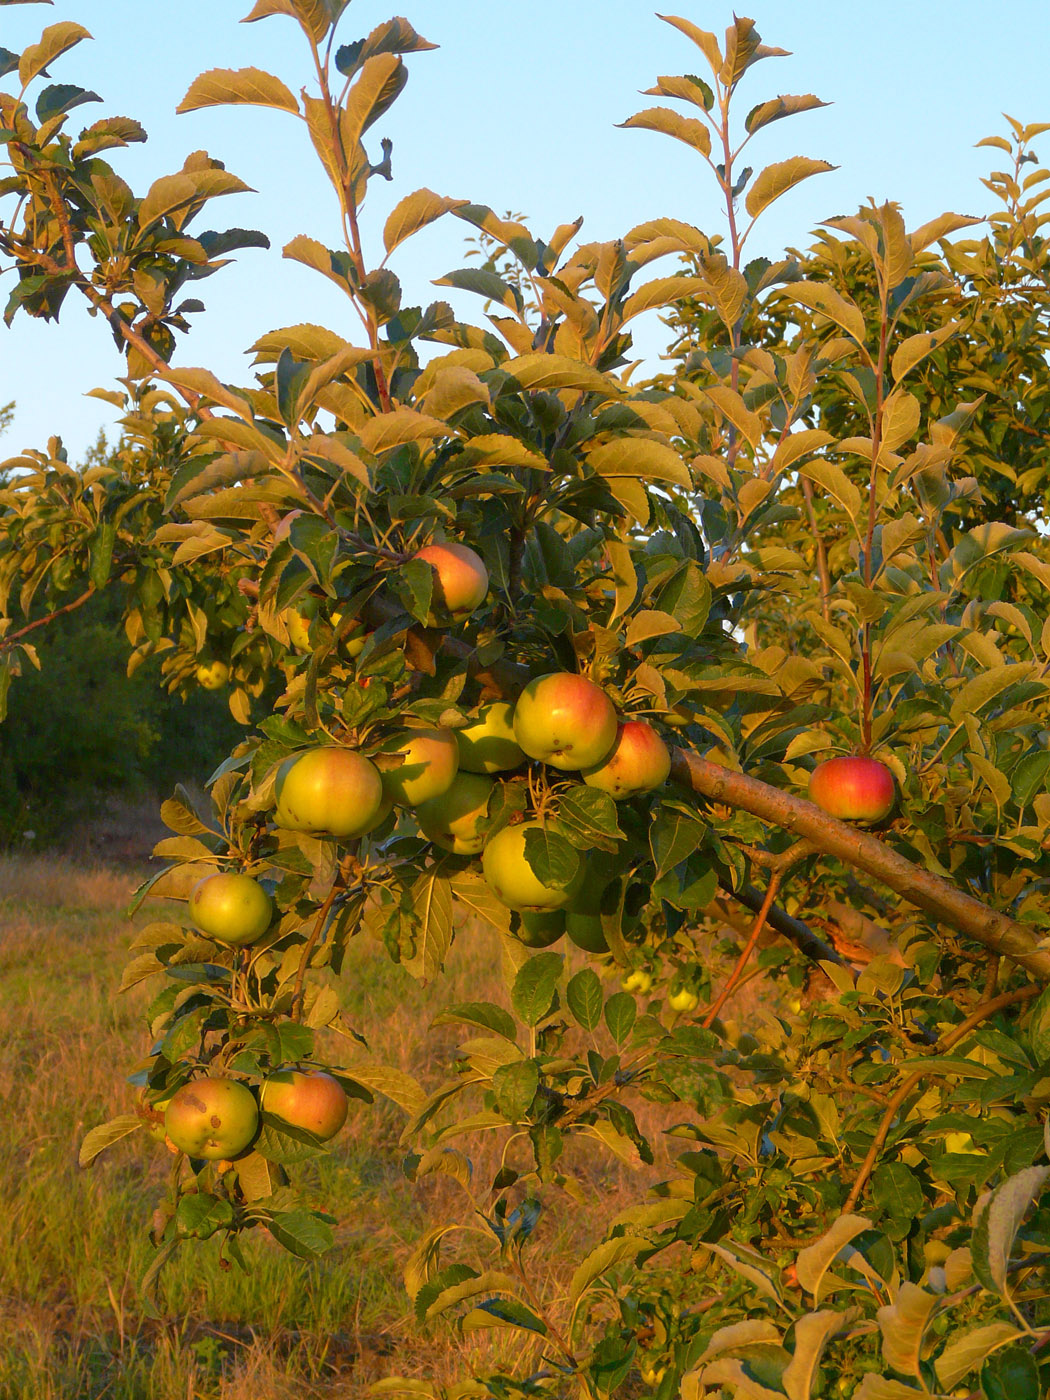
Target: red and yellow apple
<point>461,579</point>
<point>212,675</point>
<point>639,761</point>
<point>230,907</point>
<point>565,720</point>
<point>855,788</point>
<point>417,765</point>
<point>329,791</point>
<point>512,879</point>
<point>211,1118</point>
<point>455,818</point>
<point>487,744</point>
<point>311,1100</point>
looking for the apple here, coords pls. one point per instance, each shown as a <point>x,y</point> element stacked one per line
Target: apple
<point>586,931</point>
<point>152,1114</point>
<point>231,908</point>
<point>488,744</point>
<point>353,639</point>
<point>639,761</point>
<point>684,999</point>
<point>565,720</point>
<point>538,930</point>
<point>331,791</point>
<point>638,981</point>
<point>212,675</point>
<point>430,762</point>
<point>455,818</point>
<point>461,578</point>
<point>513,880</point>
<point>855,788</point>
<point>297,620</point>
<point>311,1100</point>
<point>211,1119</point>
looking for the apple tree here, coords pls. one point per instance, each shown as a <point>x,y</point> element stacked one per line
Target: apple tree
<point>524,645</point>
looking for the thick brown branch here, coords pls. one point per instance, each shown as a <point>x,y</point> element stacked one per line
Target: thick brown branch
<point>862,851</point>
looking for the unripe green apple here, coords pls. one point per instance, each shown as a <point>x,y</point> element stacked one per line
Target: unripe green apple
<point>461,578</point>
<point>310,1100</point>
<point>487,745</point>
<point>565,720</point>
<point>230,907</point>
<point>638,981</point>
<point>455,818</point>
<point>513,880</point>
<point>212,675</point>
<point>639,761</point>
<point>211,1118</point>
<point>684,999</point>
<point>537,930</point>
<point>417,765</point>
<point>855,788</point>
<point>332,791</point>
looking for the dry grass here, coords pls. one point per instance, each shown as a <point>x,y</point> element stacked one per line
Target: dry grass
<point>72,1243</point>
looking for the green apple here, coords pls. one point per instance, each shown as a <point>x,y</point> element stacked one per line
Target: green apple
<point>417,765</point>
<point>565,720</point>
<point>212,675</point>
<point>329,791</point>
<point>455,819</point>
<point>684,999</point>
<point>638,981</point>
<point>487,745</point>
<point>211,1118</point>
<point>513,880</point>
<point>230,907</point>
<point>538,930</point>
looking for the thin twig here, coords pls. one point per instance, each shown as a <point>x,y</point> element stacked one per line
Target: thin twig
<point>13,637</point>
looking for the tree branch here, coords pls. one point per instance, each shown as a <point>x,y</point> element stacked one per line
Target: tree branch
<point>934,896</point>
<point>13,637</point>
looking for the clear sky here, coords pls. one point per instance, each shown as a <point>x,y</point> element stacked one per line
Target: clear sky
<point>516,109</point>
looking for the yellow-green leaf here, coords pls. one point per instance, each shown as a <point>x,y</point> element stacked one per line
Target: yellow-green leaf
<point>55,40</point>
<point>908,354</point>
<point>818,296</point>
<point>780,177</point>
<point>691,130</point>
<point>403,425</point>
<point>252,86</point>
<point>412,213</point>
<point>640,457</point>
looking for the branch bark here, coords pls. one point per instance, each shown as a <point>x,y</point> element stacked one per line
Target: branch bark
<point>936,897</point>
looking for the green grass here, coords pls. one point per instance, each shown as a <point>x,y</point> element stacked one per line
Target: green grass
<point>73,1243</point>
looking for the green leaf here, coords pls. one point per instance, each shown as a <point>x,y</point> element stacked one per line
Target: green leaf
<point>589,816</point>
<point>1038,1028</point>
<point>415,587</point>
<point>673,837</point>
<point>302,1232</point>
<point>515,1088</point>
<point>583,996</point>
<point>482,1014</point>
<point>778,107</point>
<point>199,1216</point>
<point>1012,1375</point>
<point>908,354</point>
<point>62,97</point>
<point>533,992</point>
<point>999,1222</point>
<point>412,213</point>
<point>550,857</point>
<point>621,1012</point>
<point>56,40</point>
<point>896,1191</point>
<point>608,1253</point>
<point>502,1312</point>
<point>393,1084</point>
<point>812,1334</point>
<point>98,1139</point>
<point>780,177</point>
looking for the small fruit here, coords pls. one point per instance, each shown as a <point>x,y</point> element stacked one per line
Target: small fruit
<point>312,1100</point>
<point>488,745</point>
<point>211,1119</point>
<point>297,620</point>
<point>855,788</point>
<point>352,641</point>
<point>638,981</point>
<point>513,880</point>
<point>212,675</point>
<point>565,720</point>
<point>684,999</point>
<point>330,790</point>
<point>455,819</point>
<point>540,930</point>
<point>152,1115</point>
<point>418,765</point>
<point>461,579</point>
<point>232,908</point>
<point>639,762</point>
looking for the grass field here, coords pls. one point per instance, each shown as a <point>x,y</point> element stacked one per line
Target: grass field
<point>73,1243</point>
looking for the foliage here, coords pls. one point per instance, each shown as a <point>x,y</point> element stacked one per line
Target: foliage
<point>778,554</point>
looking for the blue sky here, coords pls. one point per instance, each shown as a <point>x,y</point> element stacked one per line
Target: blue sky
<point>517,109</point>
